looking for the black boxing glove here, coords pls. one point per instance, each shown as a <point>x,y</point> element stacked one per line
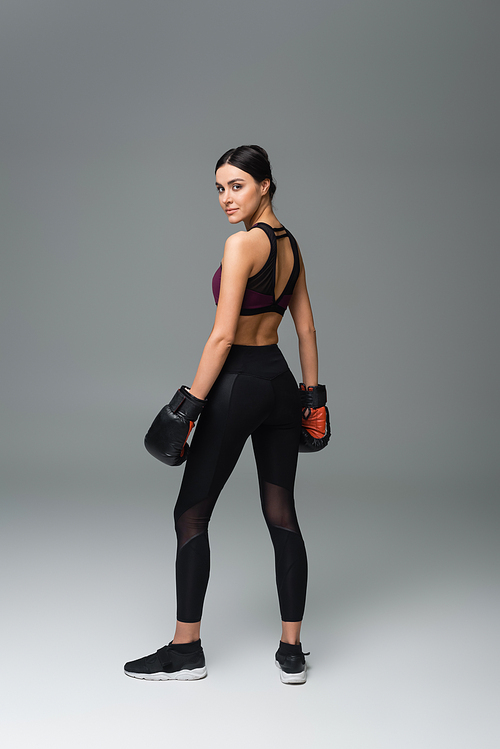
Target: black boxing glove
<point>315,433</point>
<point>167,435</point>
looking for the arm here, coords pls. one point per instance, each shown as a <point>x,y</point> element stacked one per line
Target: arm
<point>315,433</point>
<point>236,266</point>
<point>300,309</point>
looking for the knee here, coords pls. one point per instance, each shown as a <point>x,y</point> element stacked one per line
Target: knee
<point>189,525</point>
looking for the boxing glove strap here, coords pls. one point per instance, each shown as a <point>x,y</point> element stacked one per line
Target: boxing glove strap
<point>186,404</point>
<point>313,396</point>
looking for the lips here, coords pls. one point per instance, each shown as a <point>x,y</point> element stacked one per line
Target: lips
<point>231,210</point>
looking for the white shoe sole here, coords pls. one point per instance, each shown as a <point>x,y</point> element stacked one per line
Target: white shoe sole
<point>299,678</point>
<point>187,674</point>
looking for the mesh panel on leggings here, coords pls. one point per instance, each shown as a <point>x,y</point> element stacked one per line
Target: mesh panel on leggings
<point>194,521</point>
<point>289,550</point>
<point>192,566</point>
<point>278,506</point>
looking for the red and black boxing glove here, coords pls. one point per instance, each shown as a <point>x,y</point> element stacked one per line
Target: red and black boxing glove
<point>315,433</point>
<point>166,439</point>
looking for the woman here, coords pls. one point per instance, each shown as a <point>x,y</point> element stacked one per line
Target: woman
<point>243,387</point>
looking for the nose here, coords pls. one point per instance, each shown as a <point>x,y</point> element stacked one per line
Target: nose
<point>226,197</point>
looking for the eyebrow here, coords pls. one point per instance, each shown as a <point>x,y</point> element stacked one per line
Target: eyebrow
<point>231,181</point>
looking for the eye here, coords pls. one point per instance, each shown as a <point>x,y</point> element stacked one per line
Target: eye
<point>219,189</point>
<point>236,186</point>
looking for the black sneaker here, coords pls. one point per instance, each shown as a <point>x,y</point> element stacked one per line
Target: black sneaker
<point>292,663</point>
<point>168,663</point>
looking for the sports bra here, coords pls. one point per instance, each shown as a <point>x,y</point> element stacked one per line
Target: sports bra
<point>259,293</point>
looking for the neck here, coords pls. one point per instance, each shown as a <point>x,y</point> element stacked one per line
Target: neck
<point>263,213</point>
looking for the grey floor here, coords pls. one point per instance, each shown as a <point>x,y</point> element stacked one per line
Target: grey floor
<point>402,620</point>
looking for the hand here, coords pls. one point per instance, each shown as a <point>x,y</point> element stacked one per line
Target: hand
<point>167,436</point>
<point>315,433</point>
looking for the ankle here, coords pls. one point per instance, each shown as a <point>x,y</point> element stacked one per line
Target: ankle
<point>186,632</point>
<point>184,641</point>
<point>290,632</point>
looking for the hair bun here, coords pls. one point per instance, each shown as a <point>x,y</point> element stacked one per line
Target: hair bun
<point>261,151</point>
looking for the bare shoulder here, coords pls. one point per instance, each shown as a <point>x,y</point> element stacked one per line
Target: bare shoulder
<point>245,243</point>
<point>236,242</point>
<point>246,239</point>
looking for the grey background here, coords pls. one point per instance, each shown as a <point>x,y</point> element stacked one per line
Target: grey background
<point>381,120</point>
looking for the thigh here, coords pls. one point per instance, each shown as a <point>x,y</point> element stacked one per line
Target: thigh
<point>276,441</point>
<point>237,405</point>
<point>276,447</point>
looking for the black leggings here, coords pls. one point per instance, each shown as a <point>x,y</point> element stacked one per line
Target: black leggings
<point>255,394</point>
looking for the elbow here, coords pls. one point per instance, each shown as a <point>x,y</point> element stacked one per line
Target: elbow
<point>223,339</point>
<point>306,332</point>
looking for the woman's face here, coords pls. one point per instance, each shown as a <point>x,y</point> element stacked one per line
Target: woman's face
<point>239,194</point>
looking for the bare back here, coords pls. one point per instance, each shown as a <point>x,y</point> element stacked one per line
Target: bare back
<point>262,329</point>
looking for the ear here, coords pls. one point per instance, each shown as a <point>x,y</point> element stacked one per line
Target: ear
<point>265,185</point>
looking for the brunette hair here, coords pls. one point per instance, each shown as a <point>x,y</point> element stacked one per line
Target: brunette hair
<point>251,159</point>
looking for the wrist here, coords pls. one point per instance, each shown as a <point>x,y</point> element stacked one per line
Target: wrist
<point>313,396</point>
<point>186,404</point>
<point>194,393</point>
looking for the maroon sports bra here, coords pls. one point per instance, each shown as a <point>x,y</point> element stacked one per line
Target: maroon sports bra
<point>259,293</point>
